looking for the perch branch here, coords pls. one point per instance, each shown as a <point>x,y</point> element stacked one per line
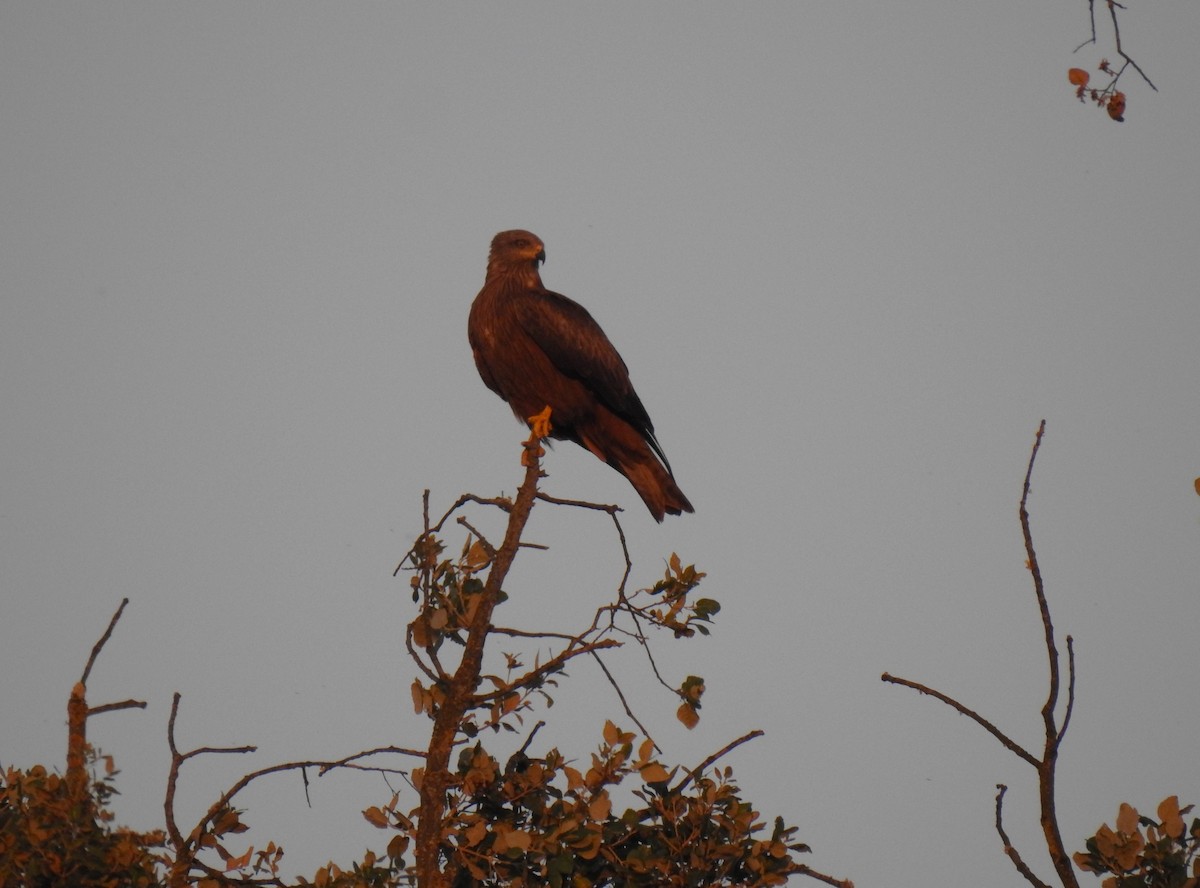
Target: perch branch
<point>460,690</point>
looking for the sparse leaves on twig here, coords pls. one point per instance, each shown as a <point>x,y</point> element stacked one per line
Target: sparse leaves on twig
<point>1106,96</point>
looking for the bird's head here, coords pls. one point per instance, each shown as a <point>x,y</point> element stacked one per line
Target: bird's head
<point>517,247</point>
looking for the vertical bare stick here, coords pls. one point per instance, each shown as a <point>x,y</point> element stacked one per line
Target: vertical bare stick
<point>1047,767</point>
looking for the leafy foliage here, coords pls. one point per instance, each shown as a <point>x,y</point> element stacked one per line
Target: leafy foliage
<point>543,821</point>
<point>52,836</point>
<point>1145,853</point>
<point>627,818</point>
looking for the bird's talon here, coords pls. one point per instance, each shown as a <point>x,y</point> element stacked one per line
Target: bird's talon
<point>539,425</point>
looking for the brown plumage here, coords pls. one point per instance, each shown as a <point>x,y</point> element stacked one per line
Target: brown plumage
<point>538,349</point>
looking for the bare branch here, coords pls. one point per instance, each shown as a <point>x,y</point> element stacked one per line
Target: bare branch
<point>625,703</point>
<point>172,779</point>
<point>1092,20</point>
<point>1004,739</point>
<point>112,707</point>
<point>803,870</point>
<point>724,750</point>
<point>99,645</point>
<point>366,753</point>
<point>579,504</point>
<point>1053,736</point>
<point>1100,95</point>
<point>1039,588</point>
<point>524,633</point>
<point>1012,852</point>
<point>1070,691</point>
<point>1112,10</point>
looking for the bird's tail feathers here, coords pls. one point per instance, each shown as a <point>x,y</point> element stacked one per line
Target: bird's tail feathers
<point>656,487</point>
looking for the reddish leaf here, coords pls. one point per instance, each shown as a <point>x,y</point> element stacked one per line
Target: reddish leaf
<point>1078,77</point>
<point>688,716</point>
<point>1116,106</point>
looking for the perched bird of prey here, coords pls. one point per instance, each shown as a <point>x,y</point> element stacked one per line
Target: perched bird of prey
<point>537,350</point>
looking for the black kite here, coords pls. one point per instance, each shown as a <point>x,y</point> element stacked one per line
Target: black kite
<point>537,350</point>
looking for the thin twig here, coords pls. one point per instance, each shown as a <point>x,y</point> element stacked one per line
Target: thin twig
<point>1039,587</point>
<point>1004,739</point>
<point>99,645</point>
<point>1011,851</point>
<point>112,707</point>
<point>579,504</point>
<point>1070,690</point>
<point>724,750</point>
<point>1047,767</point>
<point>555,663</point>
<point>1112,9</point>
<point>625,703</point>
<point>805,870</point>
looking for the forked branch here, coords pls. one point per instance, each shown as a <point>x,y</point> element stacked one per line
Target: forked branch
<point>1053,733</point>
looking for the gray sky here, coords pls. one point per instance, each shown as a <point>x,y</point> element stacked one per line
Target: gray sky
<point>852,254</point>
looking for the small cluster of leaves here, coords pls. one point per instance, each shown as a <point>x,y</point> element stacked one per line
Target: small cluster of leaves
<point>370,872</point>
<point>450,593</point>
<point>676,613</point>
<point>249,864</point>
<point>1163,856</point>
<point>51,836</point>
<point>451,590</point>
<point>1109,97</point>
<point>684,618</point>
<point>543,821</point>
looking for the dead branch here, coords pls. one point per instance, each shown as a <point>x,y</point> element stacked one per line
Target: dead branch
<point>187,848</point>
<point>113,707</point>
<point>1004,739</point>
<point>1046,765</point>
<point>366,753</point>
<point>803,870</point>
<point>1120,50</point>
<point>1011,851</point>
<point>99,645</point>
<point>625,703</point>
<point>1112,10</point>
<point>699,770</point>
<point>78,713</point>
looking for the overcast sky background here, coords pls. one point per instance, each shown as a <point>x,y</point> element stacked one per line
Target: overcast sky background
<point>852,254</point>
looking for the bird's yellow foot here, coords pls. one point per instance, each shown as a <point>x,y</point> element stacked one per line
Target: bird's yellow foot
<point>539,425</point>
<point>539,428</point>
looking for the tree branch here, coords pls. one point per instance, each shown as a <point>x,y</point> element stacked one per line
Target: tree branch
<point>99,645</point>
<point>1012,852</point>
<point>435,778</point>
<point>625,703</point>
<point>697,771</point>
<point>1053,734</point>
<point>1004,739</point>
